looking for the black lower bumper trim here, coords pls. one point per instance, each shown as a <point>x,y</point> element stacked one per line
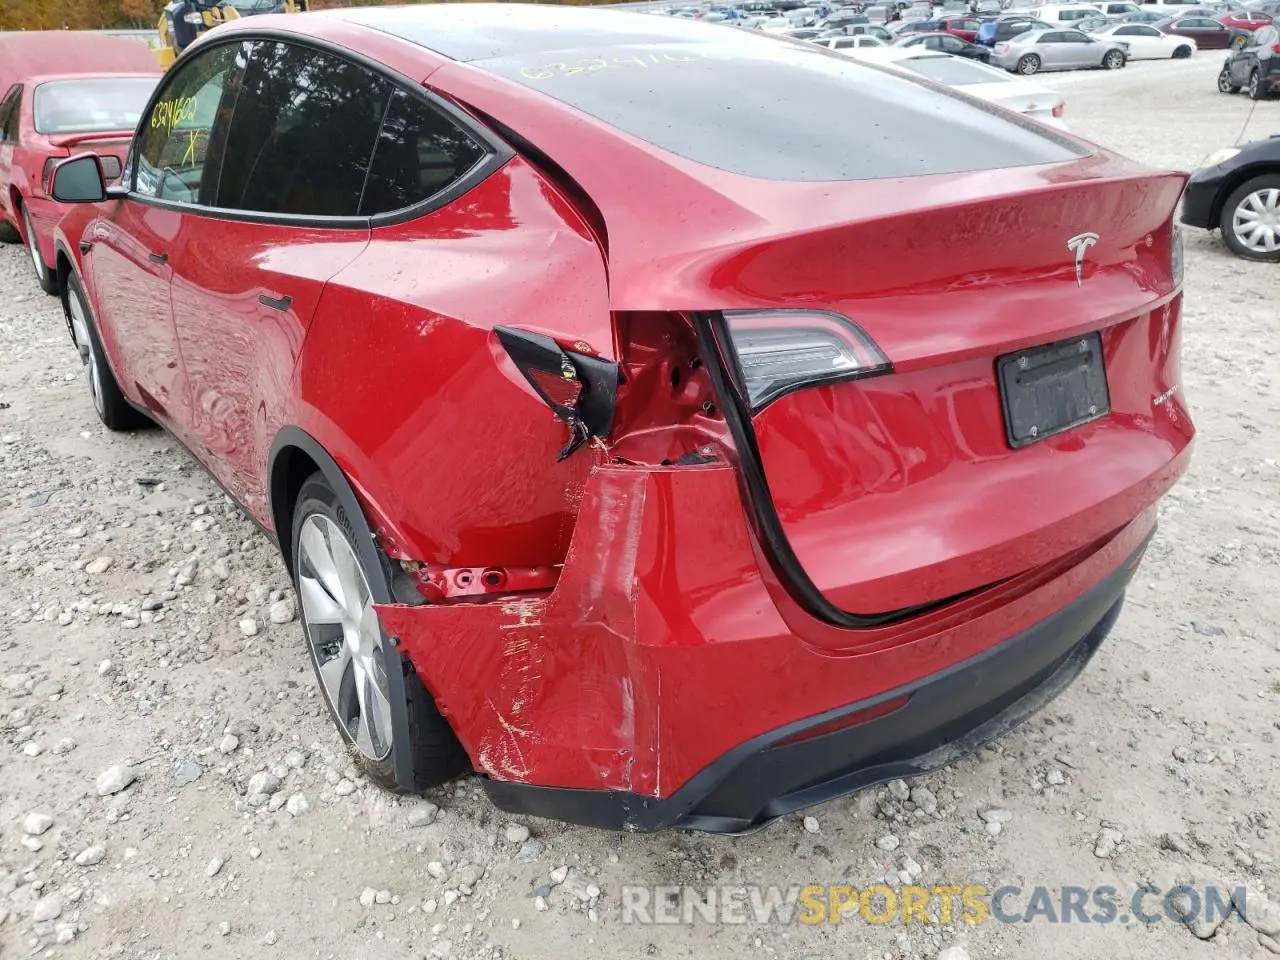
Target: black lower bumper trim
<point>945,715</point>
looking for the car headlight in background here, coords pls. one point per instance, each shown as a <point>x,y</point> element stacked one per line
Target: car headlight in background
<point>1219,156</point>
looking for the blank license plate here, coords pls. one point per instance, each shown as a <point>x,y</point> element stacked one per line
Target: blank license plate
<point>1046,390</point>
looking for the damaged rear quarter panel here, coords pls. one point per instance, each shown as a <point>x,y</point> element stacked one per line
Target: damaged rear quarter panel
<point>566,690</point>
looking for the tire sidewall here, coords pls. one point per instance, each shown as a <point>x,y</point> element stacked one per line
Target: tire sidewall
<point>115,412</point>
<point>1255,86</point>
<point>317,496</point>
<point>1224,82</point>
<point>1030,60</point>
<point>43,273</point>
<point>1228,215</point>
<point>1113,60</point>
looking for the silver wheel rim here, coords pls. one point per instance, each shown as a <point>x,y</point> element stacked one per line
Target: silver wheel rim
<point>1224,82</point>
<point>344,635</point>
<point>32,245</point>
<point>1256,221</point>
<point>1253,86</point>
<point>84,344</point>
<point>1028,67</point>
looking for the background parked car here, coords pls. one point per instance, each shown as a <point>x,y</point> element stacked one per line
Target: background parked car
<point>1030,53</point>
<point>851,43</point>
<point>1124,8</point>
<point>1255,66</point>
<point>946,43</point>
<point>1245,19</point>
<point>1005,28</point>
<point>1237,190</point>
<point>966,28</point>
<point>1208,34</point>
<point>1145,16</point>
<point>49,109</point>
<point>1066,14</point>
<point>1145,42</point>
<point>977,80</point>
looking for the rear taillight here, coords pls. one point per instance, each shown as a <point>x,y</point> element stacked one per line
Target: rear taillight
<point>47,173</point>
<point>1001,47</point>
<point>1059,108</point>
<point>779,351</point>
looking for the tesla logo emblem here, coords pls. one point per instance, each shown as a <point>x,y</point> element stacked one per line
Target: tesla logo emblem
<point>1079,245</point>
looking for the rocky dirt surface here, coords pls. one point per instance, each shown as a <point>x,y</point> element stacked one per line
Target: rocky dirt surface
<point>171,787</point>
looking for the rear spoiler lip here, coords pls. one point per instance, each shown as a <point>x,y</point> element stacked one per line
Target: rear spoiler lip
<point>74,139</point>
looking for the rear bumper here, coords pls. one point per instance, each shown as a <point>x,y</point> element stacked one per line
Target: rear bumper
<point>908,731</point>
<point>655,685</point>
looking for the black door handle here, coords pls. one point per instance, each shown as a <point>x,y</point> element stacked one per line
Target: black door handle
<point>281,304</point>
<point>159,257</point>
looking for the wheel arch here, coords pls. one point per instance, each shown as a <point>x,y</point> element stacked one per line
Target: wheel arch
<point>294,456</point>
<point>1235,180</point>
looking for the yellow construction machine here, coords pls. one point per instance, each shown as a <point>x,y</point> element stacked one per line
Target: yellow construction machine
<point>184,20</point>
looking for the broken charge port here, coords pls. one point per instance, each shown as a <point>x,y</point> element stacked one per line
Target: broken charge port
<point>441,584</point>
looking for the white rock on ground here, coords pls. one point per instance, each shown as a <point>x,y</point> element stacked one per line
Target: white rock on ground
<point>114,779</point>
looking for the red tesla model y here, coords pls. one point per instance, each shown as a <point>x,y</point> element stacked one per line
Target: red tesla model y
<point>635,437</point>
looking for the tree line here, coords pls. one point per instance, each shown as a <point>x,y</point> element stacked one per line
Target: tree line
<point>122,14</point>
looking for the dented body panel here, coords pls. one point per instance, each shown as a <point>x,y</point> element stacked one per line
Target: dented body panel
<point>646,664</point>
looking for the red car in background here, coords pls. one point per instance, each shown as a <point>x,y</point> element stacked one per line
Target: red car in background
<point>966,28</point>
<point>1208,34</point>
<point>661,466</point>
<point>62,93</point>
<point>1249,20</point>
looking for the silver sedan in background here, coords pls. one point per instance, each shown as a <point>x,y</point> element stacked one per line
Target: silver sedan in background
<point>1038,50</point>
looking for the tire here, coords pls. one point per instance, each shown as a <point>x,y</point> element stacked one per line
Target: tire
<point>1256,92</point>
<point>115,412</point>
<point>9,233</point>
<point>45,276</point>
<point>1224,82</point>
<point>1028,65</point>
<point>1260,197</point>
<point>1113,60</point>
<point>1181,53</point>
<point>329,562</point>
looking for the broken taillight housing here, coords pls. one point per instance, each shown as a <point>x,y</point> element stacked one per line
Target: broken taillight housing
<point>581,390</point>
<point>778,351</point>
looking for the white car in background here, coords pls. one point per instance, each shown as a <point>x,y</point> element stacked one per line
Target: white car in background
<point>860,42</point>
<point>1145,42</point>
<point>975,79</point>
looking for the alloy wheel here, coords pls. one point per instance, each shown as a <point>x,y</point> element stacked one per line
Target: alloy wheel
<point>1256,221</point>
<point>85,345</point>
<point>344,636</point>
<point>1253,85</point>
<point>1224,83</point>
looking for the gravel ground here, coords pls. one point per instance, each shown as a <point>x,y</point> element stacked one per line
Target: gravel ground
<point>149,689</point>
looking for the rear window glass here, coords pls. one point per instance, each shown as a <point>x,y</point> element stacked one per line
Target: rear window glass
<point>92,106</point>
<point>781,110</point>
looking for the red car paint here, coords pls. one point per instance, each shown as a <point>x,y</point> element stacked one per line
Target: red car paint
<point>1244,20</point>
<point>670,637</point>
<point>966,28</point>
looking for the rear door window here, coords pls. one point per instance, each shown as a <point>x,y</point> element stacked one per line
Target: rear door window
<point>303,133</point>
<point>751,105</point>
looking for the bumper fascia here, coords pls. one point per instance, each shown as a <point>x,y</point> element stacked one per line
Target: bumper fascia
<point>944,716</point>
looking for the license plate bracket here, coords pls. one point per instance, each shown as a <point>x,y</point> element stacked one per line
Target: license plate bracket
<point>1051,388</point>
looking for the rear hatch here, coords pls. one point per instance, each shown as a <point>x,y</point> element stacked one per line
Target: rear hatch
<point>943,241</point>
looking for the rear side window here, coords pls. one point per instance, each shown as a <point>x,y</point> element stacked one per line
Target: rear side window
<point>303,133</point>
<point>762,108</point>
<point>9,115</point>
<point>419,153</point>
